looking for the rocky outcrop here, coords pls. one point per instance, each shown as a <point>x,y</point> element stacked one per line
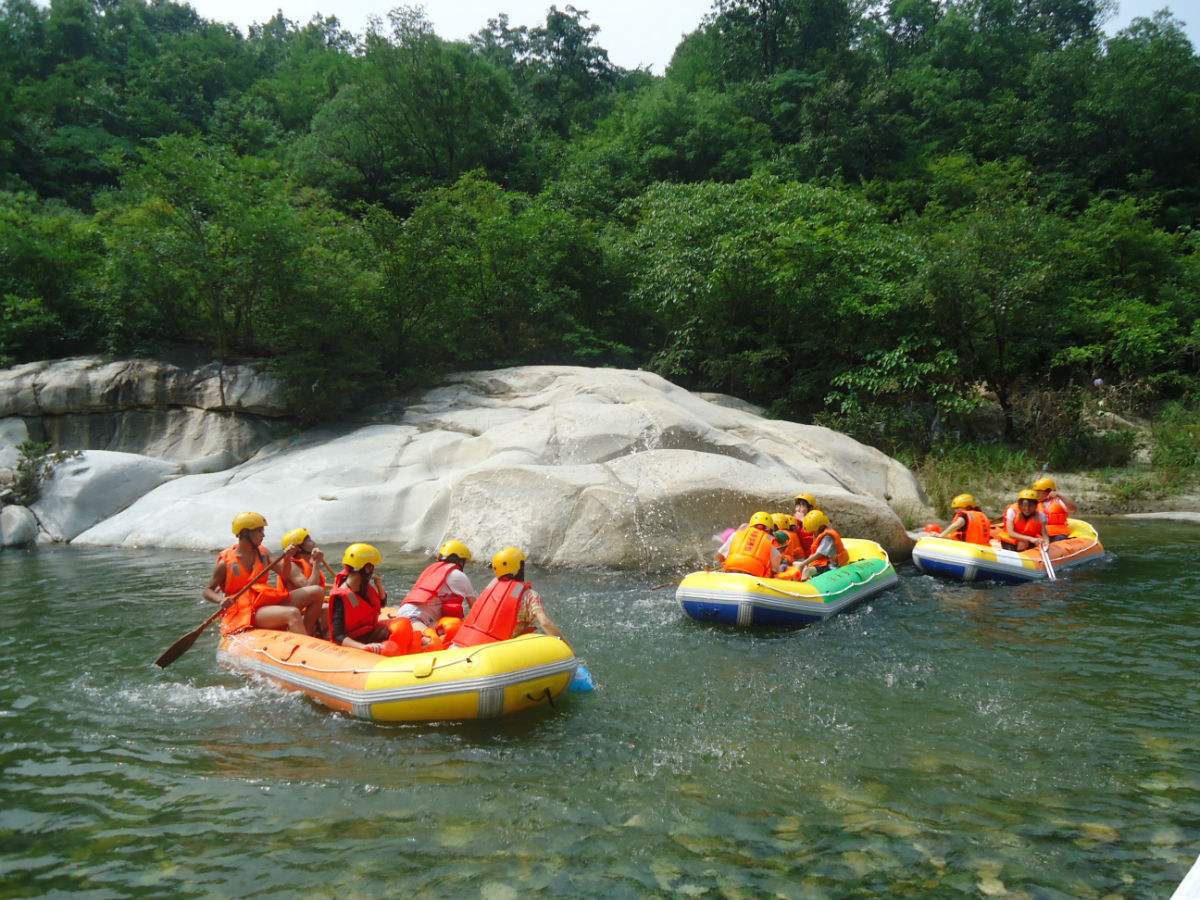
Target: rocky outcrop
<point>18,527</point>
<point>210,417</point>
<point>89,488</point>
<point>579,466</point>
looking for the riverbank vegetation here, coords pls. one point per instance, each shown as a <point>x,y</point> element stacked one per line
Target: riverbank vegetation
<point>962,227</point>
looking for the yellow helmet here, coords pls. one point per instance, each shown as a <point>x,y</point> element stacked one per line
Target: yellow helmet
<point>815,521</point>
<point>1045,483</point>
<point>359,555</point>
<point>779,520</point>
<point>508,561</point>
<point>248,520</point>
<point>1028,494</point>
<point>962,501</point>
<point>457,548</point>
<point>807,498</point>
<point>295,536</point>
<point>762,518</point>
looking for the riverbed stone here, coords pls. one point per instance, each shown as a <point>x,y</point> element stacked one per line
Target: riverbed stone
<point>84,490</point>
<point>580,467</point>
<point>18,526</point>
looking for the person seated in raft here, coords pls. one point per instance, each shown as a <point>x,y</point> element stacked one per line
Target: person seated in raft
<point>1024,526</point>
<point>970,523</point>
<point>507,607</point>
<point>791,549</point>
<point>828,551</point>
<point>805,503</point>
<point>751,550</point>
<point>262,606</point>
<point>441,589</point>
<point>1056,507</point>
<point>355,604</point>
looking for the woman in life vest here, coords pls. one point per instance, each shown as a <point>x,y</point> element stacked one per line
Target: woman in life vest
<point>1056,507</point>
<point>805,503</point>
<point>441,589</point>
<point>751,550</point>
<point>828,551</point>
<point>1024,526</point>
<point>970,523</point>
<point>262,606</point>
<point>355,604</point>
<point>507,607</point>
<point>791,549</point>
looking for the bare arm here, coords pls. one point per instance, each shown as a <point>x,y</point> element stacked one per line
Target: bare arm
<point>215,592</point>
<point>957,524</point>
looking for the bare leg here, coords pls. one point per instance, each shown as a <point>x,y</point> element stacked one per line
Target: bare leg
<point>280,617</point>
<point>308,600</point>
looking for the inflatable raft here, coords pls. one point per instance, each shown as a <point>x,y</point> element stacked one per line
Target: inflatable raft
<point>975,562</point>
<point>481,682</point>
<point>735,599</point>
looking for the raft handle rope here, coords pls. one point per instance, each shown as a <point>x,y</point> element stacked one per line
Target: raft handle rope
<point>546,695</point>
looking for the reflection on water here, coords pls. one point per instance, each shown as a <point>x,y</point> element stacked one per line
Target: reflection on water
<point>1036,740</point>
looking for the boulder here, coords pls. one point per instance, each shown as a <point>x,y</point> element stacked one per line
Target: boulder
<point>579,466</point>
<point>18,527</point>
<point>149,407</point>
<point>93,486</point>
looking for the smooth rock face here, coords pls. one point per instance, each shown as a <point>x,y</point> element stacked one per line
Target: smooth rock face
<point>598,467</point>
<point>85,490</point>
<point>208,416</point>
<point>18,526</point>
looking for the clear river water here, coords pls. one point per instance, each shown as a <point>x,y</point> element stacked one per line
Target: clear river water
<point>942,740</point>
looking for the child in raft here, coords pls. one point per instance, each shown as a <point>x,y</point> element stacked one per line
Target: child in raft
<point>828,551</point>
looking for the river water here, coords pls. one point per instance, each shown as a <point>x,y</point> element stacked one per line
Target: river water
<point>942,740</point>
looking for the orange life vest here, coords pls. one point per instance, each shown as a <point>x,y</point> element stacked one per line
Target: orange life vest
<point>1031,527</point>
<point>360,614</point>
<point>240,615</point>
<point>306,567</point>
<point>794,549</point>
<point>494,615</point>
<point>978,529</point>
<point>1056,514</point>
<point>842,556</point>
<point>750,552</point>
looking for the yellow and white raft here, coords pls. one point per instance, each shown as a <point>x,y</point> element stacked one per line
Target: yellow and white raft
<point>482,682</point>
<point>975,562</point>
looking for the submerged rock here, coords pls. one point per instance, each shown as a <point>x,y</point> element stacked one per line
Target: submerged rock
<point>581,467</point>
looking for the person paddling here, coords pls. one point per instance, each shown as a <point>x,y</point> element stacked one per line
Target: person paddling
<point>355,604</point>
<point>828,551</point>
<point>970,523</point>
<point>507,607</point>
<point>262,606</point>
<point>1024,526</point>
<point>1056,507</point>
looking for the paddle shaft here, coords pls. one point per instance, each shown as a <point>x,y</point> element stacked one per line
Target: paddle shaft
<point>184,644</point>
<point>1050,573</point>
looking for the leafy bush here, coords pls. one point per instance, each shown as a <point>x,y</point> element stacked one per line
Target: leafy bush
<point>1177,438</point>
<point>978,469</point>
<point>33,465</point>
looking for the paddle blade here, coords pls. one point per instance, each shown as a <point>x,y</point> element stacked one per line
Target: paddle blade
<point>581,683</point>
<point>178,648</point>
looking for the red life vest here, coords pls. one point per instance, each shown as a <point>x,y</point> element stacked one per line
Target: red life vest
<point>1032,527</point>
<point>750,552</point>
<point>429,582</point>
<point>794,549</point>
<point>1056,514</point>
<point>805,542</point>
<point>842,556</point>
<point>494,615</point>
<point>978,528</point>
<point>360,614</point>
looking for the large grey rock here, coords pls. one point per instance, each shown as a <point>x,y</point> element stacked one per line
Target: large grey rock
<point>12,434</point>
<point>18,526</point>
<point>198,415</point>
<point>87,489</point>
<point>579,466</point>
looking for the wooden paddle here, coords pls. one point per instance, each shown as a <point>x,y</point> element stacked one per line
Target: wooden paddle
<point>184,644</point>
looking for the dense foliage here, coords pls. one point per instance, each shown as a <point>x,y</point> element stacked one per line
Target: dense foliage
<point>877,215</point>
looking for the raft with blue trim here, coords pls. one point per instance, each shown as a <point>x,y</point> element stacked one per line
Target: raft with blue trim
<point>480,682</point>
<point>735,599</point>
<point>975,562</point>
